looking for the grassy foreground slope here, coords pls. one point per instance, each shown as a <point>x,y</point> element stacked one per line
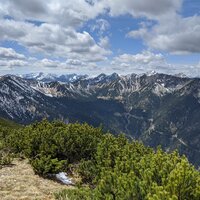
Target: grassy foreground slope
<point>18,181</point>
<point>110,167</point>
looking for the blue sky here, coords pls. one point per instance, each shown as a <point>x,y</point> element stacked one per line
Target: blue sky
<point>95,36</point>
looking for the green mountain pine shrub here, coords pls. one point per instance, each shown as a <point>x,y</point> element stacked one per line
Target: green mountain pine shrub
<point>111,167</point>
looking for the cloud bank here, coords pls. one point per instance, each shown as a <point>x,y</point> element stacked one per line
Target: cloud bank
<point>56,31</point>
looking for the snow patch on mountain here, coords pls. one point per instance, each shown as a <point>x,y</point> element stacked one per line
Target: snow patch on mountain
<point>47,78</point>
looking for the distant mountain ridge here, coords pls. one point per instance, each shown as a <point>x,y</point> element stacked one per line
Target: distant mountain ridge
<point>49,77</point>
<point>158,109</point>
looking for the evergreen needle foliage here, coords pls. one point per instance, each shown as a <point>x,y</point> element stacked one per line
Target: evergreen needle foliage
<point>111,167</point>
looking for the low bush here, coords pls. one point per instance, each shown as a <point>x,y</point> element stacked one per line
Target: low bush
<point>45,164</point>
<point>51,146</point>
<point>6,158</point>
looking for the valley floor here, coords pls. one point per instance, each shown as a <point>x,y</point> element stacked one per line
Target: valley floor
<point>18,182</point>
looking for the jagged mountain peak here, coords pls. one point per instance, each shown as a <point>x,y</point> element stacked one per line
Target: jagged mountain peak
<point>181,75</point>
<point>151,73</point>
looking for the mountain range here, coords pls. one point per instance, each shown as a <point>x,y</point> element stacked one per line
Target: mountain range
<point>158,109</point>
<point>64,78</point>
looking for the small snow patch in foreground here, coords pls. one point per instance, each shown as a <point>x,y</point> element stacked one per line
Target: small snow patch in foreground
<point>62,177</point>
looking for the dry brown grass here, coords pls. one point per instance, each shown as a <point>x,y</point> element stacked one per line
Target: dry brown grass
<point>19,182</point>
